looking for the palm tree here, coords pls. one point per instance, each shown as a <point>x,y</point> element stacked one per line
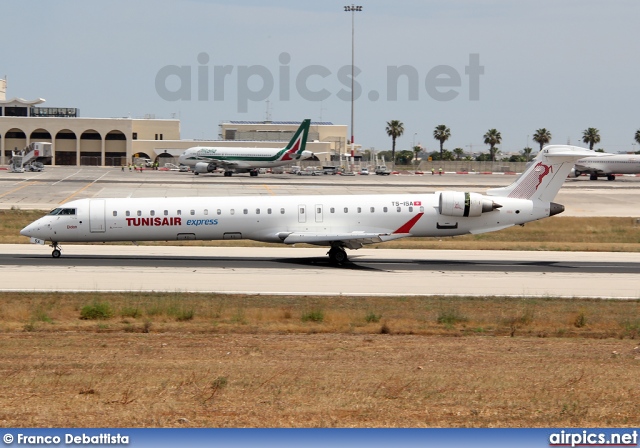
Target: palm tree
<point>395,129</point>
<point>542,137</point>
<point>526,152</point>
<point>492,138</point>
<point>459,152</point>
<point>442,134</point>
<point>416,151</point>
<point>637,136</point>
<point>591,136</point>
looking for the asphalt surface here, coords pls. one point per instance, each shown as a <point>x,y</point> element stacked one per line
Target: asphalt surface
<point>307,271</point>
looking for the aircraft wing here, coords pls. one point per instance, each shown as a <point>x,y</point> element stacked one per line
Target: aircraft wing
<point>353,240</point>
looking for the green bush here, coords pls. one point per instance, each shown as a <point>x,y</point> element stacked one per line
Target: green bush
<point>313,316</point>
<point>373,317</point>
<point>98,310</point>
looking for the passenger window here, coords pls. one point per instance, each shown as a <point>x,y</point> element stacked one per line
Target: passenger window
<point>302,210</point>
<point>373,209</point>
<point>346,209</point>
<point>178,212</point>
<point>232,211</point>
<point>398,209</point>
<point>268,211</point>
<point>166,213</point>
<point>421,209</point>
<point>359,210</point>
<point>385,209</point>
<point>410,209</point>
<point>153,213</point>
<point>219,212</point>
<point>193,212</point>
<point>282,211</point>
<point>128,213</point>
<point>257,211</point>
<point>318,210</point>
<point>139,213</point>
<point>332,210</point>
<point>245,211</point>
<point>115,213</point>
<point>206,211</point>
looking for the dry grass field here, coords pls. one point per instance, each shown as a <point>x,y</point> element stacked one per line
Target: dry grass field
<point>206,360</point>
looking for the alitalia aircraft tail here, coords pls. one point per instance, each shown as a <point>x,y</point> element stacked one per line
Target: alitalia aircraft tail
<point>298,142</point>
<point>543,178</point>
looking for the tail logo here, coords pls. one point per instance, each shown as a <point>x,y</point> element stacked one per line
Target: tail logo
<point>529,185</point>
<point>292,152</point>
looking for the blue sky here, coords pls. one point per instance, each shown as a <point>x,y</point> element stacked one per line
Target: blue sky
<point>561,64</point>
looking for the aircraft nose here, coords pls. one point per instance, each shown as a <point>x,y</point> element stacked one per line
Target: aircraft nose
<point>33,230</point>
<point>29,230</point>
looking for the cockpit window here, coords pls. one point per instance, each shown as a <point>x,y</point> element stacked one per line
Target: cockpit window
<point>63,211</point>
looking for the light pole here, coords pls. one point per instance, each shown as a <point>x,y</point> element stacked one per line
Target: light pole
<point>353,10</point>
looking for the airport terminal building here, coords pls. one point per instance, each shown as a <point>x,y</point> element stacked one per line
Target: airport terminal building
<point>119,141</point>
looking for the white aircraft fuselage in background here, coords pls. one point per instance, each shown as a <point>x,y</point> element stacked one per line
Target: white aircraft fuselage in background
<point>206,159</point>
<point>346,221</point>
<point>607,165</point>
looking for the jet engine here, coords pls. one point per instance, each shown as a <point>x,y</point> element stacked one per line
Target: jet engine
<point>574,172</point>
<point>204,167</point>
<point>458,203</point>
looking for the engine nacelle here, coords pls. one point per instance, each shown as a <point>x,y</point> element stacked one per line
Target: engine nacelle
<point>459,203</point>
<point>574,172</point>
<point>204,167</point>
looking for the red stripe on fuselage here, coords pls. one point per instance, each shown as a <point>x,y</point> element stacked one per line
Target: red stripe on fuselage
<point>407,226</point>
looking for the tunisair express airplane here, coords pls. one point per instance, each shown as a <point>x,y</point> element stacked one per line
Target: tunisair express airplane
<point>205,159</point>
<point>339,222</point>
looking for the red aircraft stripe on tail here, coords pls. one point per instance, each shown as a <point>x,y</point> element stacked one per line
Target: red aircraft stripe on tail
<point>407,226</point>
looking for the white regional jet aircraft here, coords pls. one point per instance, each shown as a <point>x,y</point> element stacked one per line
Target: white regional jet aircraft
<point>205,159</point>
<point>348,221</point>
<point>607,165</point>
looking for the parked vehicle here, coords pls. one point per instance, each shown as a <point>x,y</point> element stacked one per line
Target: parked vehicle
<point>364,171</point>
<point>383,170</point>
<point>310,171</point>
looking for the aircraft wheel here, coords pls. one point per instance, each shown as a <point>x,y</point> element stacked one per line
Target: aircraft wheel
<point>593,176</point>
<point>611,177</point>
<point>337,255</point>
<point>56,253</point>
<point>195,173</point>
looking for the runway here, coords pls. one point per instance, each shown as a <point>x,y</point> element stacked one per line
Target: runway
<point>306,271</point>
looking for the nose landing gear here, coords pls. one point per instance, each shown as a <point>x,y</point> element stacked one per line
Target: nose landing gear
<point>56,250</point>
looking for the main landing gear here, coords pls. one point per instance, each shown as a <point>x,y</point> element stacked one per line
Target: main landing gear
<point>56,250</point>
<point>337,255</point>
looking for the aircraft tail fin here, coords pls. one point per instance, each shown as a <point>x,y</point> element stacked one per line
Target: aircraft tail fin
<point>298,142</point>
<point>545,175</point>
